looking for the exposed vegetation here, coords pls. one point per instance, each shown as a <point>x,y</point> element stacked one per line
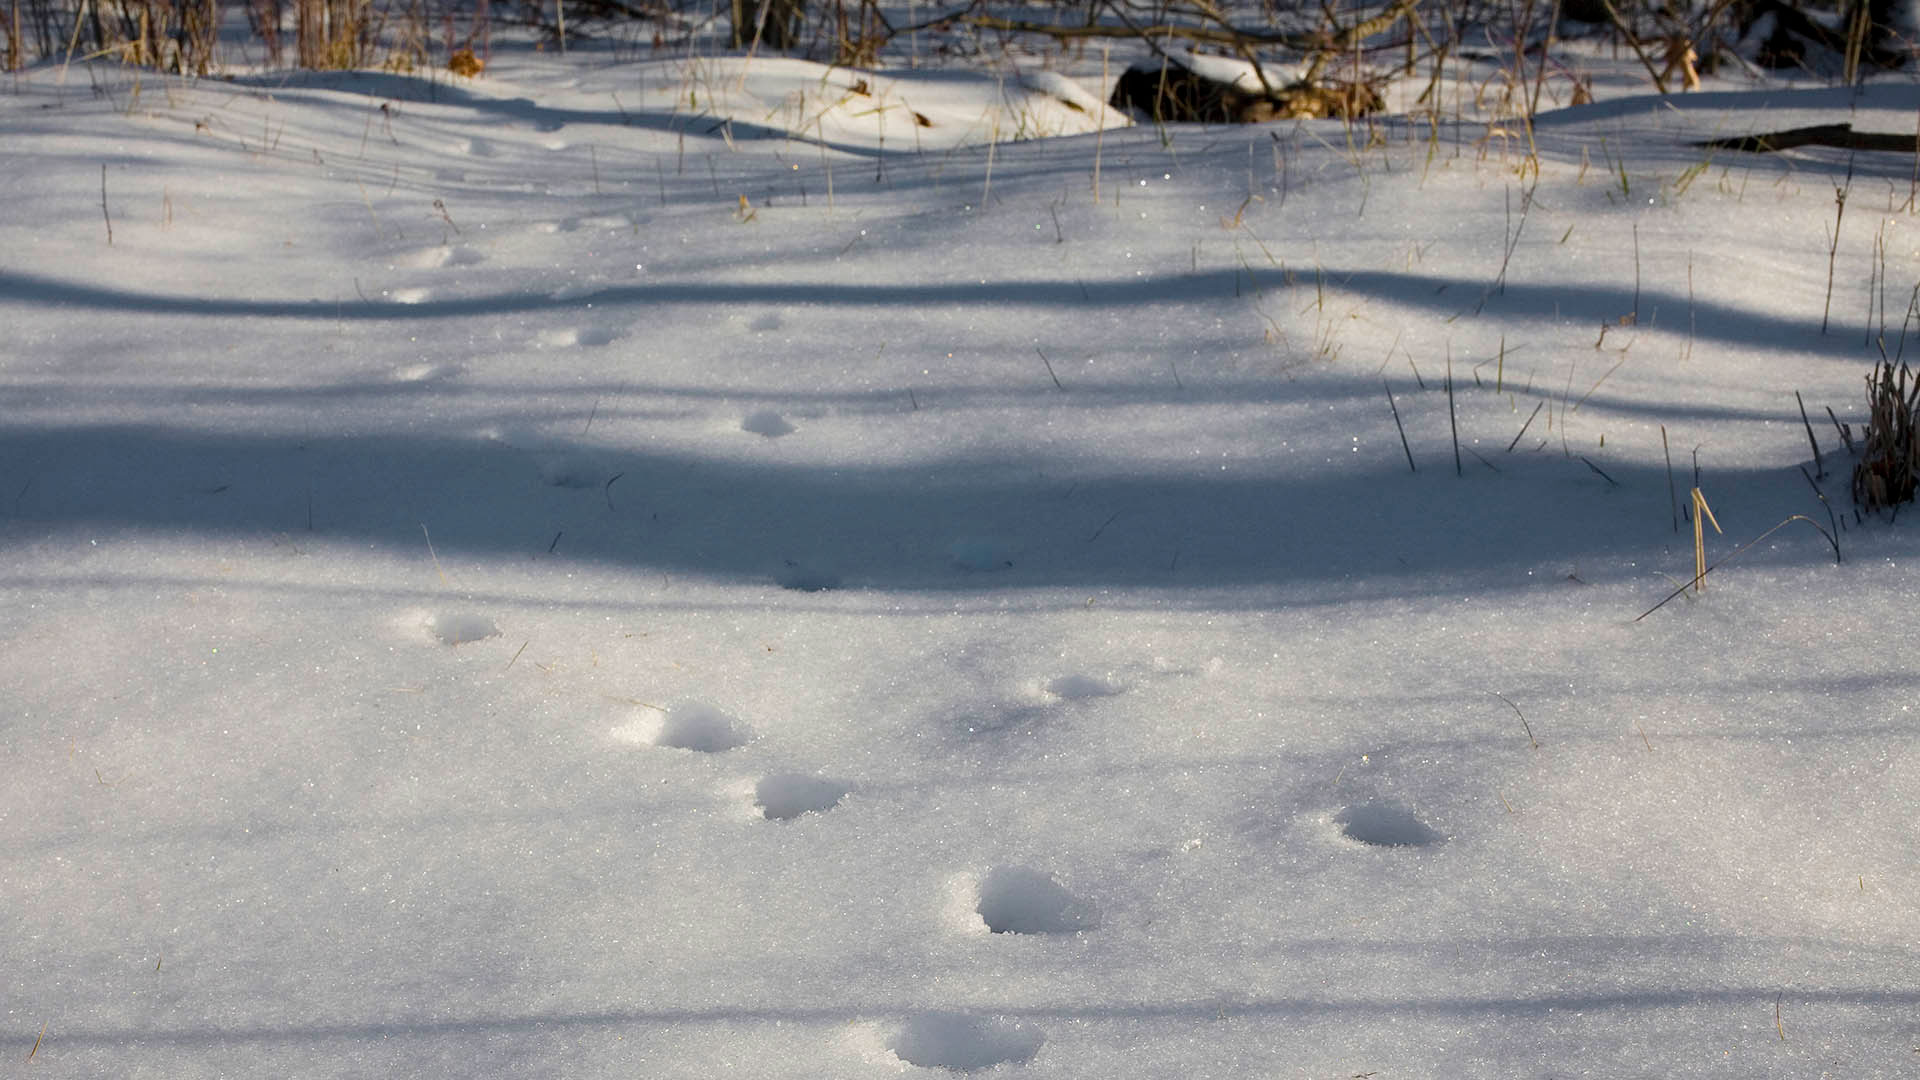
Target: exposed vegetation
<point>1674,41</point>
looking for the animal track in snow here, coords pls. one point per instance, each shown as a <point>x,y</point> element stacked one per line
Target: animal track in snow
<point>767,422</point>
<point>693,725</point>
<point>1077,687</point>
<point>1019,900</point>
<point>961,1042</point>
<point>413,373</point>
<point>590,336</point>
<point>460,628</point>
<point>432,258</point>
<point>785,796</point>
<point>609,222</point>
<point>1383,824</point>
<point>422,259</point>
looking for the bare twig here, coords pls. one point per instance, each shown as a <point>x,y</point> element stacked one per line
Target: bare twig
<point>1819,468</point>
<point>1050,374</point>
<point>1524,726</point>
<point>1396,424</point>
<point>1537,406</point>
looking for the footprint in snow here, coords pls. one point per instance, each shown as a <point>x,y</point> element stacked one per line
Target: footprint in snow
<point>430,258</point>
<point>588,336</point>
<point>608,222</point>
<point>1021,900</point>
<point>461,627</point>
<point>785,796</point>
<point>689,725</point>
<point>420,373</point>
<point>1080,687</point>
<point>433,258</point>
<point>767,422</point>
<point>1384,824</point>
<point>963,1043</point>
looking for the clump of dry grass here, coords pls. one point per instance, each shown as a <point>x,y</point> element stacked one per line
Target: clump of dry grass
<point>1889,466</point>
<point>465,63</point>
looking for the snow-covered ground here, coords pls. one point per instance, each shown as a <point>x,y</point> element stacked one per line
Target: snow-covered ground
<point>673,569</point>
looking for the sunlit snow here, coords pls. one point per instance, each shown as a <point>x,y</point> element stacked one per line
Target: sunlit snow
<point>705,568</point>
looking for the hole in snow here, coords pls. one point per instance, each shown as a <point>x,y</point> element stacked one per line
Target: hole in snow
<point>955,1041</point>
<point>1016,900</point>
<point>767,422</point>
<point>1073,687</point>
<point>693,726</point>
<point>1385,825</point>
<point>461,627</point>
<point>786,796</point>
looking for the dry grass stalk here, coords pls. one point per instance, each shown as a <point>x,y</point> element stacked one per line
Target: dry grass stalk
<point>1889,466</point>
<point>1701,510</point>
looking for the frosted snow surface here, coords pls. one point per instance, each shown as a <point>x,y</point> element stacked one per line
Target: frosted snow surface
<point>538,576</point>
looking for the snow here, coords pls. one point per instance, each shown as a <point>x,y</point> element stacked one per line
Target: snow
<point>672,568</point>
